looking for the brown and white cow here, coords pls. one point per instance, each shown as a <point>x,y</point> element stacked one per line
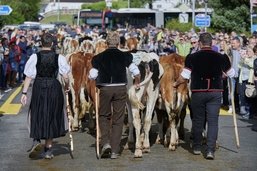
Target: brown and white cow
<point>81,86</point>
<point>173,101</point>
<point>69,46</point>
<point>100,46</point>
<point>132,43</point>
<point>151,72</point>
<point>87,46</point>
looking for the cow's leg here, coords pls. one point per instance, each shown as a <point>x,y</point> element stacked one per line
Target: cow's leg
<point>168,133</point>
<point>131,127</point>
<point>152,97</point>
<point>84,108</point>
<point>182,115</point>
<point>181,112</point>
<point>173,132</point>
<point>137,125</point>
<point>75,96</point>
<point>160,120</point>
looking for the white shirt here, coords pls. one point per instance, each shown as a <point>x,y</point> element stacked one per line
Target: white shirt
<point>31,70</point>
<point>93,73</point>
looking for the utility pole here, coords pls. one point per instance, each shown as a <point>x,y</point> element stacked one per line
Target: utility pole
<point>206,2</point>
<point>193,13</point>
<point>128,3</point>
<point>58,18</point>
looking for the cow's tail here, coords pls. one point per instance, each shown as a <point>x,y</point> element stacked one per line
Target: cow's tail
<point>134,99</point>
<point>148,78</point>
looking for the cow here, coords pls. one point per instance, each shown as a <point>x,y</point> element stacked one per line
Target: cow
<point>100,46</point>
<point>151,72</point>
<point>70,46</point>
<point>82,88</point>
<point>81,91</point>
<point>132,43</point>
<point>172,101</point>
<point>87,46</point>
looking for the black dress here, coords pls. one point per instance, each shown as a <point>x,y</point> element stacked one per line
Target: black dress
<point>47,101</point>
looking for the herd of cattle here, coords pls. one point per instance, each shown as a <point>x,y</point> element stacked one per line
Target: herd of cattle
<point>155,94</point>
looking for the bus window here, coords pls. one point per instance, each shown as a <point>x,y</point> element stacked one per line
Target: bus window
<point>92,18</point>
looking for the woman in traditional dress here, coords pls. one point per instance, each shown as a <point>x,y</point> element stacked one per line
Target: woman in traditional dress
<point>46,111</point>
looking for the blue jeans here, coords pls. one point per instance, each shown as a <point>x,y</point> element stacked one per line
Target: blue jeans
<point>242,97</point>
<point>235,87</point>
<point>205,106</point>
<point>21,70</point>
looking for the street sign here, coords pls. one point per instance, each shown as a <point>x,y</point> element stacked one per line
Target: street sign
<point>202,21</point>
<point>5,10</point>
<point>183,18</point>
<point>183,8</point>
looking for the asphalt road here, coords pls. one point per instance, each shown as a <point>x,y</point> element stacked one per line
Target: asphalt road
<point>15,142</point>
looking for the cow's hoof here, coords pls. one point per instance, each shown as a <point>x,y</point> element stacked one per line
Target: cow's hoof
<point>146,150</point>
<point>172,147</point>
<point>74,129</point>
<point>159,141</point>
<point>138,153</point>
<point>166,143</point>
<point>126,147</point>
<point>129,145</point>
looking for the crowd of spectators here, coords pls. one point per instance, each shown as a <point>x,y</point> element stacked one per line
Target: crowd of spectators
<point>16,46</point>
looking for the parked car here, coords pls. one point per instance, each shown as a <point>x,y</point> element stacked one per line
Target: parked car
<point>59,23</point>
<point>48,26</point>
<point>30,25</point>
<point>5,28</point>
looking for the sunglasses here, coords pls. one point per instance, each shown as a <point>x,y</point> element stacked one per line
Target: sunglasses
<point>193,42</point>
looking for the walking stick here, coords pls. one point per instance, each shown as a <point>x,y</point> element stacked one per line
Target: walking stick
<point>97,122</point>
<point>69,124</point>
<point>234,112</point>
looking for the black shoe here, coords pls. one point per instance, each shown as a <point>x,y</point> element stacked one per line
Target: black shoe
<point>114,155</point>
<point>48,153</point>
<point>210,155</point>
<point>106,151</point>
<point>35,150</point>
<point>254,128</point>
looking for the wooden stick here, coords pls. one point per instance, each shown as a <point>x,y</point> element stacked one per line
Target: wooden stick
<point>97,122</point>
<point>69,124</point>
<point>234,112</point>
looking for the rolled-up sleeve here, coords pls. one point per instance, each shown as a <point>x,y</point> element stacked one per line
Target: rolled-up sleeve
<point>93,73</point>
<point>30,67</point>
<point>230,73</point>
<point>64,67</point>
<point>186,73</point>
<point>134,69</point>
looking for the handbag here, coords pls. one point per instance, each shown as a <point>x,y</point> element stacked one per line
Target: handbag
<point>250,91</point>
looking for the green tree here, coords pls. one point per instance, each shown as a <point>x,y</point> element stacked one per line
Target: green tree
<point>231,15</point>
<point>139,4</point>
<point>102,5</point>
<point>25,10</point>
<point>174,24</point>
